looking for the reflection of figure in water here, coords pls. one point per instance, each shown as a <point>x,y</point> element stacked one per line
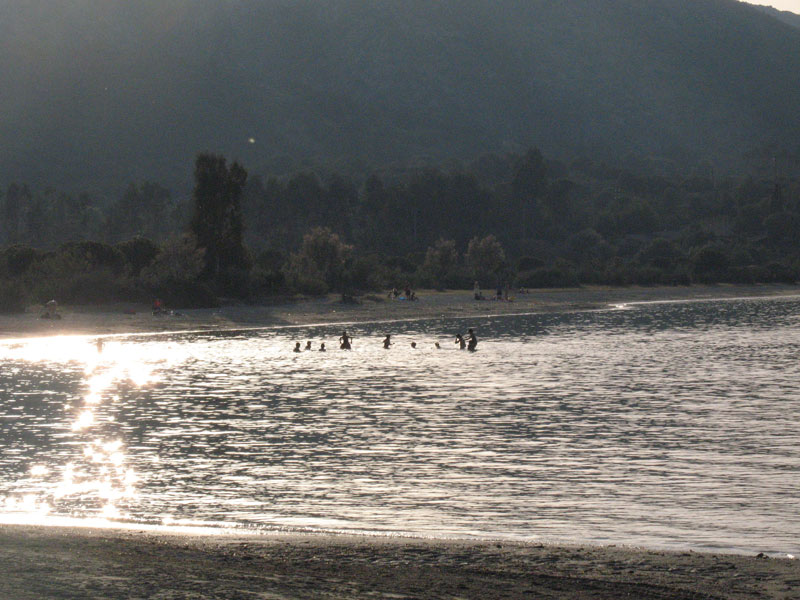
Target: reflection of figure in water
<point>460,341</point>
<point>297,347</point>
<point>344,341</point>
<point>99,344</point>
<point>472,345</point>
<point>413,344</point>
<point>387,341</point>
<point>322,347</point>
<point>438,347</point>
<point>308,345</point>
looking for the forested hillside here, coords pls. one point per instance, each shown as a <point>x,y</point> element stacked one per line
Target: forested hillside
<point>99,93</point>
<point>522,220</point>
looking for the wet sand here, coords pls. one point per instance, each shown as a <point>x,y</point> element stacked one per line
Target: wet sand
<point>132,318</point>
<point>55,562</point>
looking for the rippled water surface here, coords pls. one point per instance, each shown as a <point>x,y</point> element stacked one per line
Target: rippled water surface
<point>665,425</point>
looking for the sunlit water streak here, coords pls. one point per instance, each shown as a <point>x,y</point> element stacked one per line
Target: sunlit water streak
<point>663,425</point>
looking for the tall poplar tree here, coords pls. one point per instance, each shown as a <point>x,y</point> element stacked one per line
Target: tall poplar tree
<point>217,219</point>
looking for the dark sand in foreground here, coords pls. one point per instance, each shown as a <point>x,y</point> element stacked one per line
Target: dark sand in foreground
<point>55,562</point>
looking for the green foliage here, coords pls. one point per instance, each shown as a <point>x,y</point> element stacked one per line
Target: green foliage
<point>16,260</point>
<point>588,246</point>
<point>144,210</point>
<point>217,220</point>
<point>547,277</point>
<point>174,275</point>
<point>440,263</point>
<point>12,297</point>
<point>319,266</point>
<point>710,264</point>
<point>96,255</point>
<point>590,223</point>
<point>139,253</point>
<point>485,257</point>
<point>660,253</point>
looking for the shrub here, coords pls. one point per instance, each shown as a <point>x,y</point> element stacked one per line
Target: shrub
<point>139,253</point>
<point>96,254</point>
<point>547,277</point>
<point>16,260</point>
<point>12,297</point>
<point>529,263</point>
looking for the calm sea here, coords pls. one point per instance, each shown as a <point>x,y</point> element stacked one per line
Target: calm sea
<point>669,425</point>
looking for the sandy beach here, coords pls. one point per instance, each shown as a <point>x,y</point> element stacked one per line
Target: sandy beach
<point>134,318</point>
<point>55,562</point>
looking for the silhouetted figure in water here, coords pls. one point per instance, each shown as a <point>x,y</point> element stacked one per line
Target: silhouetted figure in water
<point>344,341</point>
<point>297,347</point>
<point>387,341</point>
<point>308,345</point>
<point>322,347</point>
<point>472,344</point>
<point>460,341</point>
<point>438,347</point>
<point>99,344</point>
<point>413,344</point>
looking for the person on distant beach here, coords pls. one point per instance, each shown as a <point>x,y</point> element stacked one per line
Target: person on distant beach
<point>158,307</point>
<point>472,345</point>
<point>322,347</point>
<point>344,341</point>
<point>387,341</point>
<point>51,310</point>
<point>308,345</point>
<point>297,347</point>
<point>460,341</point>
<point>476,291</point>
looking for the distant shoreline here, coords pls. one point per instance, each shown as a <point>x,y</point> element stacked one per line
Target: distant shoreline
<point>61,562</point>
<point>115,319</point>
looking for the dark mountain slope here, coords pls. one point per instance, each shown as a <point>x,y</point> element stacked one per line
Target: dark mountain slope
<point>98,92</point>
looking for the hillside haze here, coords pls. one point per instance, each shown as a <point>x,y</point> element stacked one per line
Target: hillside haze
<point>96,93</point>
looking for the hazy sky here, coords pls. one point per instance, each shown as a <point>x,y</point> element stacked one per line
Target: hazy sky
<point>792,5</point>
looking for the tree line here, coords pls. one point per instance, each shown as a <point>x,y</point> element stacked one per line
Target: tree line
<point>516,219</point>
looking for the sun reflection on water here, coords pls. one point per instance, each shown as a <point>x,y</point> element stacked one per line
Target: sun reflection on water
<point>97,473</point>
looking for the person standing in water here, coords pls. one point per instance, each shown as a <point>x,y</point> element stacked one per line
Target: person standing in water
<point>344,341</point>
<point>297,347</point>
<point>387,341</point>
<point>308,345</point>
<point>322,347</point>
<point>472,345</point>
<point>460,341</point>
